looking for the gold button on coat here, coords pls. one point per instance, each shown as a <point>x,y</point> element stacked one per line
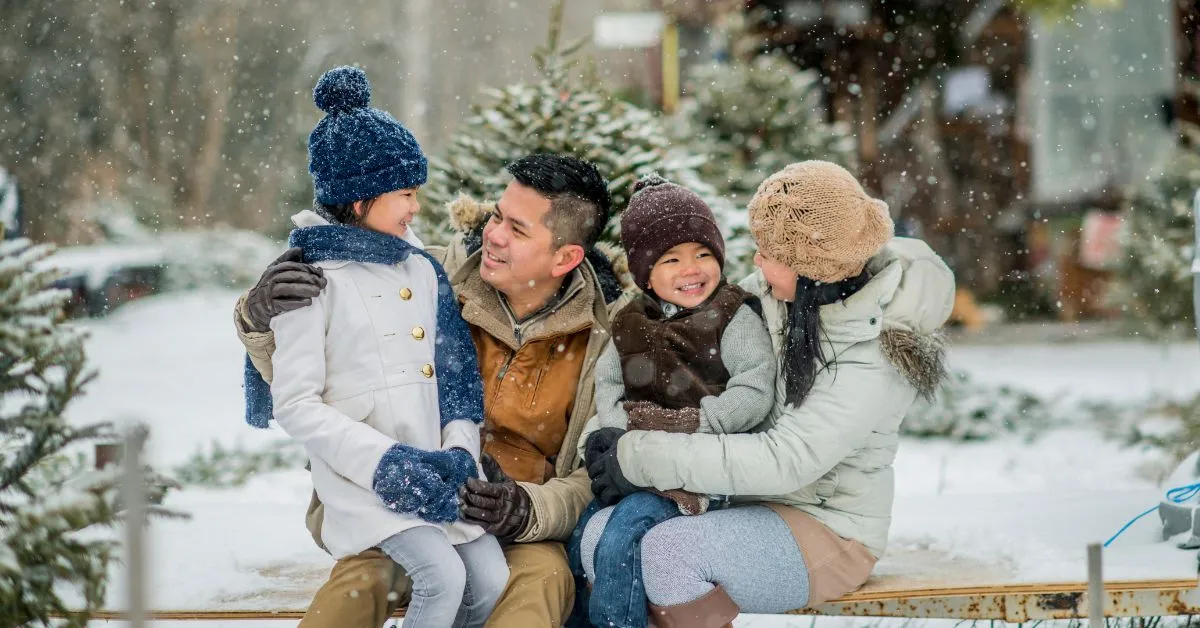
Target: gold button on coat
<point>418,332</point>
<point>427,370</point>
<point>405,294</point>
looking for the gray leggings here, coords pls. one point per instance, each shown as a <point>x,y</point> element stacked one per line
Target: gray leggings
<point>748,550</point>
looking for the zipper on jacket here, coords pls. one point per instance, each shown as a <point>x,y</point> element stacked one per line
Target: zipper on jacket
<point>504,367</point>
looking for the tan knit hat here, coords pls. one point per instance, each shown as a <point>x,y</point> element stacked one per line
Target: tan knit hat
<point>814,217</point>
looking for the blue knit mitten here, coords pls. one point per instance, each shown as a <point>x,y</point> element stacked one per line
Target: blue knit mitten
<point>406,484</point>
<point>454,465</point>
<point>443,508</point>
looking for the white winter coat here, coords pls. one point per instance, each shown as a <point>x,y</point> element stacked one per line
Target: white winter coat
<point>353,375</point>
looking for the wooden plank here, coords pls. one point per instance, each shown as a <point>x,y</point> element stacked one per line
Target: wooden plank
<point>1018,602</point>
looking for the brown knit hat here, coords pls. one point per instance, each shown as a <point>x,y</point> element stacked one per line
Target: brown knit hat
<point>814,217</point>
<point>662,215</point>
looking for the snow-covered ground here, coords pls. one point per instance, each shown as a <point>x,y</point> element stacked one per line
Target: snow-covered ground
<point>1017,510</point>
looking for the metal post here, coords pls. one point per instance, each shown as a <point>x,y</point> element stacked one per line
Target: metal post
<point>1095,595</point>
<point>135,521</point>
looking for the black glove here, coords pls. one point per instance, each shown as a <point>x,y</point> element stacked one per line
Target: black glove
<point>500,506</point>
<point>600,441</point>
<point>287,284</point>
<point>608,483</point>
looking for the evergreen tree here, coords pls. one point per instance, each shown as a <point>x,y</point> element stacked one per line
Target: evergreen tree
<point>755,117</point>
<point>1155,288</point>
<point>565,111</point>
<point>46,496</point>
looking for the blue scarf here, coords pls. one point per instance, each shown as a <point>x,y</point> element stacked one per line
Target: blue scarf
<point>460,391</point>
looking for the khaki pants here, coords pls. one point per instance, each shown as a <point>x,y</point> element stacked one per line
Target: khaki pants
<point>364,590</point>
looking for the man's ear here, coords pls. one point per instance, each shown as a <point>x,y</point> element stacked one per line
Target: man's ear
<point>358,208</point>
<point>566,259</point>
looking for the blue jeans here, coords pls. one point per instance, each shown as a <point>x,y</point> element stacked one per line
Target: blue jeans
<point>452,585</point>
<point>618,596</point>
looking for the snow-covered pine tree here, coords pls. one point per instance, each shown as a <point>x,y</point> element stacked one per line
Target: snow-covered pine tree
<point>1155,288</point>
<point>753,117</point>
<point>46,497</point>
<point>565,111</point>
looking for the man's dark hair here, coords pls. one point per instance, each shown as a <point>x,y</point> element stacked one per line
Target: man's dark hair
<point>579,198</point>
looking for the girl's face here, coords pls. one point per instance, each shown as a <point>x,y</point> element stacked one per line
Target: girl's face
<point>391,213</point>
<point>685,275</point>
<point>780,278</point>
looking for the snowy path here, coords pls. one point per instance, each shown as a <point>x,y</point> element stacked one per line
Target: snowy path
<point>1022,511</point>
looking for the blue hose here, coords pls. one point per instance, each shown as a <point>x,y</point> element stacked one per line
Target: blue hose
<point>1176,495</point>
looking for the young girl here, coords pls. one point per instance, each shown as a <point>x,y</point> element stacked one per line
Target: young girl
<point>690,341</point>
<point>378,377</point>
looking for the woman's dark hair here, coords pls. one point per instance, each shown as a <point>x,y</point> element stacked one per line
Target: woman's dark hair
<point>344,213</point>
<point>802,354</point>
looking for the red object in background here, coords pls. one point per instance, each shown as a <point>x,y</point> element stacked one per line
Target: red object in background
<point>1100,240</point>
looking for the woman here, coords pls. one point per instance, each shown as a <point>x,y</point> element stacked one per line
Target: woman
<point>852,314</point>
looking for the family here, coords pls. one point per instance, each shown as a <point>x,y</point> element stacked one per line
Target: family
<point>499,434</point>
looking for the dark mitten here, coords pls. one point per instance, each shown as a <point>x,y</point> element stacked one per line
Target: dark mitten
<point>600,441</point>
<point>498,506</point>
<point>404,483</point>
<point>454,465</point>
<point>647,415</point>
<point>608,483</point>
<point>287,284</point>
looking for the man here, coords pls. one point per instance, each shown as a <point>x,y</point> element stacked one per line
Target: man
<point>538,309</point>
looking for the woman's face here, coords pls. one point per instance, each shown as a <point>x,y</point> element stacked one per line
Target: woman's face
<point>391,213</point>
<point>780,278</point>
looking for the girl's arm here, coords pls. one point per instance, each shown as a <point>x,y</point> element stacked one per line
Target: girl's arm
<point>351,448</point>
<point>804,444</point>
<point>752,364</point>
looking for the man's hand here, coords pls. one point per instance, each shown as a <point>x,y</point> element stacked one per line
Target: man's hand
<point>498,506</point>
<point>287,284</point>
<point>608,483</point>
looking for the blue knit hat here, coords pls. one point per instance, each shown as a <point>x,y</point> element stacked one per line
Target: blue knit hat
<point>357,152</point>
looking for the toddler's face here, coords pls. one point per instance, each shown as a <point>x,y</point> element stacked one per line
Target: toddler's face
<point>685,275</point>
<point>780,278</point>
<point>391,213</point>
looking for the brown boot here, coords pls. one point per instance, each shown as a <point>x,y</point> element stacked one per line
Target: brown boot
<point>715,610</point>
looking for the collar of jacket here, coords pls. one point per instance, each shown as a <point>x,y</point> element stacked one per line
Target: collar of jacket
<point>483,307</point>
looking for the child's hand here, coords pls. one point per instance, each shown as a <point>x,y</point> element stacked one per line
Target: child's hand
<point>405,484</point>
<point>454,465</point>
<point>600,441</point>
<point>442,507</point>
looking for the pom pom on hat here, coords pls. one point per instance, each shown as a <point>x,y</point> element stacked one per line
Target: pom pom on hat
<point>342,89</point>
<point>649,180</point>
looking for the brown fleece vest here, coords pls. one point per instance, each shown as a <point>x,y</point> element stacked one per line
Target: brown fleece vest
<point>675,361</point>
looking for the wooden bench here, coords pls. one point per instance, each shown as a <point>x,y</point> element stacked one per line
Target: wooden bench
<point>893,597</point>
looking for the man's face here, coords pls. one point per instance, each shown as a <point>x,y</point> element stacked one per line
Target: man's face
<point>519,252</point>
